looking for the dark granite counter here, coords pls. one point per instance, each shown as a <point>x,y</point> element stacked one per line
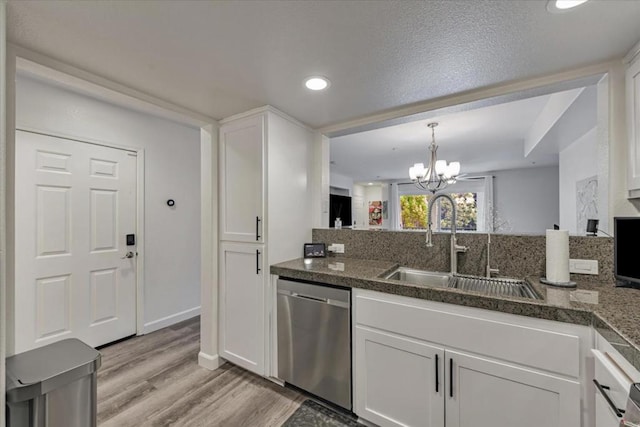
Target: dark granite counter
<point>614,312</point>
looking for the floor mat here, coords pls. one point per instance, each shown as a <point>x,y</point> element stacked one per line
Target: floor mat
<point>313,414</point>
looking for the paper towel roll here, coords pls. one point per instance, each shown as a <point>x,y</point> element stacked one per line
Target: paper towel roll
<point>558,256</point>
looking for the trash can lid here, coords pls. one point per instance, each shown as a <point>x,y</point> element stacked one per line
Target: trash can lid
<point>38,371</point>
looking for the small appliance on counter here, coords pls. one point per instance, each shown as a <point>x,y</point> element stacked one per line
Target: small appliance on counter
<point>314,250</point>
<point>626,243</point>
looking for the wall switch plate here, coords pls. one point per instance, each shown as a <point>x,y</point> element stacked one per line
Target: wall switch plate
<point>583,266</point>
<point>337,248</point>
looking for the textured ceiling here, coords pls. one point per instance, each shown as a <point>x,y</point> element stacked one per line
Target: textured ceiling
<point>221,58</point>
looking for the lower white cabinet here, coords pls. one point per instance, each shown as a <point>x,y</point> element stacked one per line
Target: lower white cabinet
<point>483,393</point>
<point>399,381</point>
<point>605,417</point>
<point>612,378</point>
<point>242,297</point>
<point>413,370</point>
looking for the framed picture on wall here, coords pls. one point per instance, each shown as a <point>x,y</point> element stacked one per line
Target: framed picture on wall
<point>375,213</point>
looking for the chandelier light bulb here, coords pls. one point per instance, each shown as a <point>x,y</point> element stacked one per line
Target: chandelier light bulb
<point>454,169</point>
<point>412,173</point>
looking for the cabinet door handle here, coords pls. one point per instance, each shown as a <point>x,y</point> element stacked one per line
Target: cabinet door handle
<point>437,376</point>
<point>601,388</point>
<point>451,377</point>
<point>257,229</point>
<point>257,261</point>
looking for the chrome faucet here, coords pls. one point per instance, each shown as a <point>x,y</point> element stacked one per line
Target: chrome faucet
<point>490,271</point>
<point>455,248</point>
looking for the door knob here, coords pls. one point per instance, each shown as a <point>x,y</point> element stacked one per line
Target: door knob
<point>128,255</point>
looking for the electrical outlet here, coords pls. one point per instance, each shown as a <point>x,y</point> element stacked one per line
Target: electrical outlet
<point>337,248</point>
<point>583,266</point>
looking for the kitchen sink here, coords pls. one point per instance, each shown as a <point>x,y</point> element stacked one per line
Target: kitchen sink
<point>495,286</point>
<point>420,277</point>
<point>483,285</point>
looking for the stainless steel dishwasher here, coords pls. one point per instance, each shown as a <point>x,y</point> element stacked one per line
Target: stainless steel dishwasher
<point>314,340</point>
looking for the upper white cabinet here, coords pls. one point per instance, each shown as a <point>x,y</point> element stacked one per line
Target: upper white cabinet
<point>265,218</point>
<point>242,145</point>
<point>633,122</point>
<point>265,182</point>
<point>421,363</point>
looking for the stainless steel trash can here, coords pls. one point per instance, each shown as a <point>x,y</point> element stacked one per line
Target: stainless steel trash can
<point>53,386</point>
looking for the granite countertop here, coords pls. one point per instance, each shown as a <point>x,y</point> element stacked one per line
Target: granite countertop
<point>614,312</point>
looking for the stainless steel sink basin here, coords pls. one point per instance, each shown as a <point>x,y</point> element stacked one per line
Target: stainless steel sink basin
<point>420,277</point>
<point>495,287</point>
<point>483,285</point>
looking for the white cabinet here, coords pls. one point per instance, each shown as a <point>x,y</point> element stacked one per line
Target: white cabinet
<point>242,296</point>
<point>633,125</point>
<point>491,369</point>
<point>605,417</point>
<point>400,381</point>
<point>265,217</point>
<point>241,180</point>
<point>483,392</point>
<point>612,378</point>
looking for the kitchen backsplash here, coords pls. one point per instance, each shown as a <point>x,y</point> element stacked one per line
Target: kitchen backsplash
<point>514,255</point>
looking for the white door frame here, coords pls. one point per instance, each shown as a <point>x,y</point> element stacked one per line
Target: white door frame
<point>139,211</point>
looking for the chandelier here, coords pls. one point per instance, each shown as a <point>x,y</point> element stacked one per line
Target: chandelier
<point>438,174</point>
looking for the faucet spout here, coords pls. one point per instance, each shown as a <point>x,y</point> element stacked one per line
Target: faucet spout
<point>455,248</point>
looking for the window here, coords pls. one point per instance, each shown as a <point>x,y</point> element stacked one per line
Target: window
<point>413,212</point>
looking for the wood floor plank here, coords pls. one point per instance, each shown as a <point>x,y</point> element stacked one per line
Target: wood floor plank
<point>155,380</point>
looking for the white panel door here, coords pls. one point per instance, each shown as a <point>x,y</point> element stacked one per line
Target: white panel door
<point>75,203</point>
<point>398,381</point>
<point>242,298</point>
<point>487,393</point>
<point>242,180</point>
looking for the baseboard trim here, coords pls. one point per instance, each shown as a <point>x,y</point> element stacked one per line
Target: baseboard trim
<point>170,320</point>
<point>209,362</point>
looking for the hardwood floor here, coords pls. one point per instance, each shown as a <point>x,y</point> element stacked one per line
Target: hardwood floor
<point>155,380</point>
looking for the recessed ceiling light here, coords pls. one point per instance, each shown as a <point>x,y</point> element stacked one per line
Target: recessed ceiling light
<point>371,183</point>
<point>563,5</point>
<point>316,83</point>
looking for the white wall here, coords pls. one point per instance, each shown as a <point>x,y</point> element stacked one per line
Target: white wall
<point>526,200</point>
<point>359,212</point>
<point>172,170</point>
<point>338,180</point>
<point>577,162</point>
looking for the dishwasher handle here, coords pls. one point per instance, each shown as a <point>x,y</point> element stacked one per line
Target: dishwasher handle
<point>328,301</point>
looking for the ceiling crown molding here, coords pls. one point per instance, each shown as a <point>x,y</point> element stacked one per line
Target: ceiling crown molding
<point>633,53</point>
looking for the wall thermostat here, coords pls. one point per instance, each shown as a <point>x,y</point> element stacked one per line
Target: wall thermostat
<point>171,202</point>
